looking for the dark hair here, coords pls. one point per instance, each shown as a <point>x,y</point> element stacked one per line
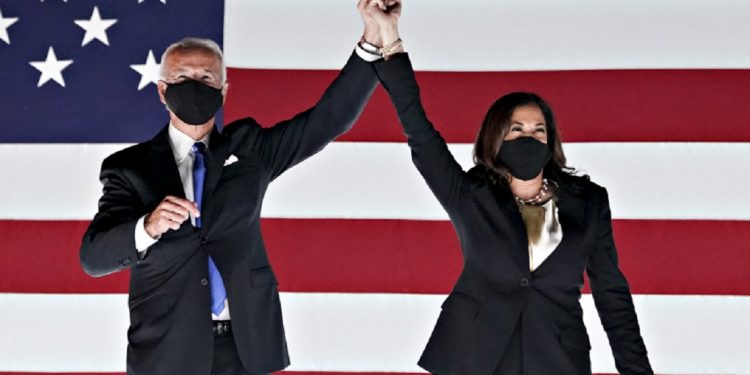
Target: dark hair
<point>496,125</point>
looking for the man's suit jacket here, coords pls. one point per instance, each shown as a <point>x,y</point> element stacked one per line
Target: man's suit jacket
<point>170,318</point>
<point>496,293</point>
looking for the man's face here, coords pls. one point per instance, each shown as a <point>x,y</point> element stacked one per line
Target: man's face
<point>199,65</point>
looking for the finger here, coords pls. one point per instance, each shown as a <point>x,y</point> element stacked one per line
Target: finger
<point>186,204</point>
<point>172,217</point>
<point>174,209</point>
<point>159,222</point>
<point>394,6</point>
<point>172,225</point>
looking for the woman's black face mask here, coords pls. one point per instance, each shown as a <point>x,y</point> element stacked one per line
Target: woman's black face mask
<point>524,156</point>
<point>193,102</point>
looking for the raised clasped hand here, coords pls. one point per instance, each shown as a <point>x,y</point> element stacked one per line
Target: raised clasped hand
<point>381,20</point>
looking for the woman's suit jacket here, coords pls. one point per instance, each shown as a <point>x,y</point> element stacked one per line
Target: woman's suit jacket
<point>496,292</point>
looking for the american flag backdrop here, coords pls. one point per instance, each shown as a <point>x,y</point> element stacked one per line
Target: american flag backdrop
<point>651,98</point>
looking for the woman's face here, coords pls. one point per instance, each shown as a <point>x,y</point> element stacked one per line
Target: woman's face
<point>527,121</point>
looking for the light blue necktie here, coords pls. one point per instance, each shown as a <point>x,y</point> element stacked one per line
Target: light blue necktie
<point>218,293</point>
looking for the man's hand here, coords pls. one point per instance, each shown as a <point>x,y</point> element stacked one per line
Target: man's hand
<point>372,30</point>
<point>169,214</point>
<point>385,13</point>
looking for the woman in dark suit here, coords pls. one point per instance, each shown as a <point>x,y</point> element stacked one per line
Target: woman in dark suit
<point>528,229</point>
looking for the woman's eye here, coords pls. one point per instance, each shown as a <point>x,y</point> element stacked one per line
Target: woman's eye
<point>541,130</point>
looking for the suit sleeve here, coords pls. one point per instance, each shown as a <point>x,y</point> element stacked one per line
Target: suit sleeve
<point>429,151</point>
<point>109,244</point>
<point>289,142</point>
<point>614,301</point>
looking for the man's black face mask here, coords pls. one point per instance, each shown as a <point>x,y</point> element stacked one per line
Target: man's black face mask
<point>525,157</point>
<point>193,102</point>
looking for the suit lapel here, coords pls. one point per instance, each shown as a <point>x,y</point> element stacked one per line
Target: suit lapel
<point>217,154</point>
<point>162,167</point>
<point>571,209</point>
<point>508,206</point>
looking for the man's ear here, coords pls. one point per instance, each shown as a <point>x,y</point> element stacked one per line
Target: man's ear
<point>161,87</point>
<point>224,91</point>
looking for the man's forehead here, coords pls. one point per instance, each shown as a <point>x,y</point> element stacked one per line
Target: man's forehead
<point>193,59</point>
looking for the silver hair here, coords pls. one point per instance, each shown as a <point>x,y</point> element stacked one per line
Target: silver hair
<point>193,43</point>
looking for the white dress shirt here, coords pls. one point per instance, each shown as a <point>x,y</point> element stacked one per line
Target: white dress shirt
<point>367,52</point>
<point>550,238</point>
<point>182,150</point>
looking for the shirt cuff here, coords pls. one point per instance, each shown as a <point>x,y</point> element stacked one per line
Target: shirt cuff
<point>369,56</point>
<point>142,240</point>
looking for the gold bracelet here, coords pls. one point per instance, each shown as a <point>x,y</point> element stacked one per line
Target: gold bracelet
<point>391,49</point>
<point>389,46</point>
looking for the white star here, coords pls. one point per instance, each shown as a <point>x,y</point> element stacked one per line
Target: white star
<point>162,1</point>
<point>4,24</point>
<point>51,68</point>
<point>149,71</point>
<point>95,27</point>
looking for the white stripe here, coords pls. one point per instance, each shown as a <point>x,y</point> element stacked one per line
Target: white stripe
<point>51,181</point>
<point>498,35</point>
<point>364,332</point>
<point>379,181</point>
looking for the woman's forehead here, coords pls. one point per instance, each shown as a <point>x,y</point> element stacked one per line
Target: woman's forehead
<point>528,113</point>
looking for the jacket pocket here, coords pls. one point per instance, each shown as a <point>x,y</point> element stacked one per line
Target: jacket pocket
<point>148,317</point>
<point>461,305</point>
<point>262,277</point>
<point>237,168</point>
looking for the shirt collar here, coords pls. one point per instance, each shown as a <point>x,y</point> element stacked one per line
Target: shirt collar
<point>182,143</point>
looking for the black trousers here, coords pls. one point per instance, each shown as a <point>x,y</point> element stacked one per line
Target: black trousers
<point>226,361</point>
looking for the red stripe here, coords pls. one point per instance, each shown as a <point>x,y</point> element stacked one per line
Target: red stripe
<point>396,256</point>
<point>42,257</point>
<point>591,106</point>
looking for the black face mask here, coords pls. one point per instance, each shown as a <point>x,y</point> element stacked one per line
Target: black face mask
<point>193,102</point>
<point>524,156</point>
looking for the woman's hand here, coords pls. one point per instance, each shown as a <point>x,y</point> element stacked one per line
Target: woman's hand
<point>385,13</point>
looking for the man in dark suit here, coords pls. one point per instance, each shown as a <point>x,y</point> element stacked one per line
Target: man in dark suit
<point>182,211</point>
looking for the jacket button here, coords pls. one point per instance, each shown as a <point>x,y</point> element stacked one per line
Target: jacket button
<point>204,281</point>
<point>524,282</point>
